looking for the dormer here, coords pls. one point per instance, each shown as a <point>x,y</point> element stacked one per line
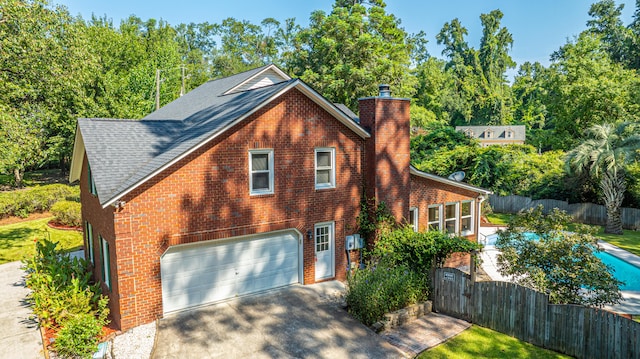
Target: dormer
<point>469,132</point>
<point>488,133</point>
<point>270,75</point>
<point>509,133</point>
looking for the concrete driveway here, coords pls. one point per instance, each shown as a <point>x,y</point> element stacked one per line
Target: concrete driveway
<point>19,335</point>
<point>295,322</point>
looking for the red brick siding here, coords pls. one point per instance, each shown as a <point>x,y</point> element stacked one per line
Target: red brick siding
<point>102,223</point>
<point>387,152</point>
<point>425,192</point>
<point>205,196</point>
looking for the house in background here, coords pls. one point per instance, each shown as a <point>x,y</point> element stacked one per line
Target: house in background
<point>244,184</point>
<point>495,135</point>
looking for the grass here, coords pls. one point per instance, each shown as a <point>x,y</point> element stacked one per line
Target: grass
<point>479,342</point>
<point>17,239</point>
<point>629,241</point>
<point>499,218</point>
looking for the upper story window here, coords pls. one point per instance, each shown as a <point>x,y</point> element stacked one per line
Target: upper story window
<point>92,184</point>
<point>413,218</point>
<point>469,132</point>
<point>451,218</point>
<point>261,171</point>
<point>488,133</point>
<point>434,216</point>
<point>325,167</point>
<point>510,133</point>
<point>466,217</point>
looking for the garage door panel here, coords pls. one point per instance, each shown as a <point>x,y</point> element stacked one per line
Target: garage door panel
<point>212,271</point>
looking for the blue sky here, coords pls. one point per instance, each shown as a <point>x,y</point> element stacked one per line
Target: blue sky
<point>539,27</point>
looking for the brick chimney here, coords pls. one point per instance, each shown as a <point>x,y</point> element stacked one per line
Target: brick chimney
<point>387,177</point>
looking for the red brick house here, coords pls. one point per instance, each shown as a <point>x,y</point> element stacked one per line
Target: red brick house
<point>244,184</point>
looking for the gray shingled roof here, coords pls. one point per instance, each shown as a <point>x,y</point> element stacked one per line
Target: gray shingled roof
<point>124,152</point>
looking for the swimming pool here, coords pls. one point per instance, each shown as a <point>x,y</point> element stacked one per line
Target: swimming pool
<point>622,270</point>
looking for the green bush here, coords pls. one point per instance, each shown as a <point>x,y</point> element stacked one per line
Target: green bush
<point>67,213</point>
<point>377,290</point>
<point>21,203</point>
<point>79,337</point>
<point>62,296</point>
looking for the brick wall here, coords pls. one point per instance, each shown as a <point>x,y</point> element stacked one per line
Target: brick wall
<point>205,196</point>
<point>387,152</point>
<point>426,192</point>
<point>102,224</point>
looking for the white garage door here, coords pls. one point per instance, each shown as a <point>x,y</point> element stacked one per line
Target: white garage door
<point>211,271</point>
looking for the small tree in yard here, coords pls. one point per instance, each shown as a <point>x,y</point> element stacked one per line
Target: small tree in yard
<point>556,261</point>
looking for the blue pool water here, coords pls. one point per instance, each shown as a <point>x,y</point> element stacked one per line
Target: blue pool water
<point>622,270</point>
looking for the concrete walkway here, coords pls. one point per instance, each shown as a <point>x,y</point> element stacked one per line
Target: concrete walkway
<point>19,335</point>
<point>425,333</point>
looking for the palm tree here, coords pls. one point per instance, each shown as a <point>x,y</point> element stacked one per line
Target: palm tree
<point>605,154</point>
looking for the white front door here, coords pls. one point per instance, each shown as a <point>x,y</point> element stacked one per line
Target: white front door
<point>324,241</point>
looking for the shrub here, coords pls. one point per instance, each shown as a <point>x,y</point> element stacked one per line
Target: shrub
<point>35,199</point>
<point>67,213</point>
<point>62,296</point>
<point>377,290</point>
<point>78,337</point>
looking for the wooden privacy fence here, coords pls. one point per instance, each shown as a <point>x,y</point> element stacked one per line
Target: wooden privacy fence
<point>583,212</point>
<point>527,315</point>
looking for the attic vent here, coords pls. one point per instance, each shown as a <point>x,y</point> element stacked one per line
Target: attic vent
<point>385,91</point>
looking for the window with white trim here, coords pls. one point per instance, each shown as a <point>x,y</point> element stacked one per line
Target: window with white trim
<point>92,183</point>
<point>488,133</point>
<point>451,218</point>
<point>325,159</point>
<point>88,234</point>
<point>323,237</point>
<point>510,134</point>
<point>466,217</point>
<point>434,215</point>
<point>106,265</point>
<point>261,171</point>
<point>413,218</point>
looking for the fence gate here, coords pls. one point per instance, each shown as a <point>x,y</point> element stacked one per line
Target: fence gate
<point>452,293</point>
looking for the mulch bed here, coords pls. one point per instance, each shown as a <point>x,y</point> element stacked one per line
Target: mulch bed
<point>53,224</point>
<point>32,216</point>
<point>49,334</point>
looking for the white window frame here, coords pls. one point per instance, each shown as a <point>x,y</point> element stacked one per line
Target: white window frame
<point>510,134</point>
<point>270,164</point>
<point>413,218</point>
<point>89,237</point>
<point>106,262</point>
<point>470,216</point>
<point>456,218</point>
<point>439,221</point>
<point>92,183</point>
<point>331,168</point>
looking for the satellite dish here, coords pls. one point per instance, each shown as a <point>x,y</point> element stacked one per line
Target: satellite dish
<point>457,176</point>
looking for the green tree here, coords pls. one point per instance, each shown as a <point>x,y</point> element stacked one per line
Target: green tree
<point>588,88</point>
<point>44,69</point>
<point>607,24</point>
<point>481,93</point>
<point>347,53</point>
<point>605,155</point>
<point>22,143</point>
<point>557,261</point>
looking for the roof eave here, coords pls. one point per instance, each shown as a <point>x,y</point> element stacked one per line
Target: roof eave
<point>267,68</point>
<point>417,172</point>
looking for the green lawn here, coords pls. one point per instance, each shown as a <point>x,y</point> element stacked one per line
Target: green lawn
<point>629,241</point>
<point>479,342</point>
<point>17,239</point>
<point>499,218</point>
